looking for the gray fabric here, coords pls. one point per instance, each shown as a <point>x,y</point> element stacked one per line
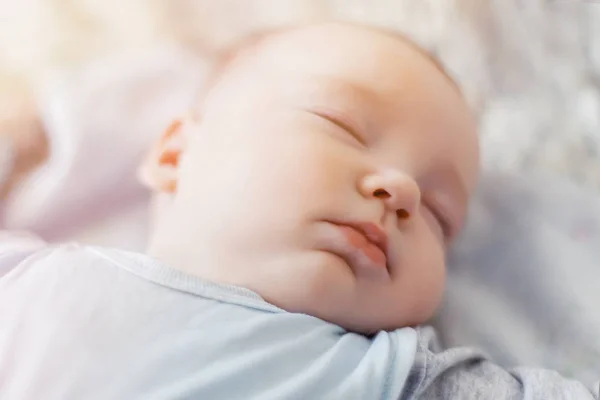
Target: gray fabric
<point>467,374</point>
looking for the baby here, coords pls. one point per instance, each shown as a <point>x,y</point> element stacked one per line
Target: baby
<point>312,199</point>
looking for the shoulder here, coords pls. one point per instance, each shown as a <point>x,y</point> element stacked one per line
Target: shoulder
<point>16,247</point>
<point>27,258</point>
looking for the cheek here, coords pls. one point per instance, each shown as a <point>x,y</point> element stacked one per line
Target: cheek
<point>280,176</point>
<point>432,256</point>
<point>433,279</point>
<point>426,263</point>
<point>294,176</point>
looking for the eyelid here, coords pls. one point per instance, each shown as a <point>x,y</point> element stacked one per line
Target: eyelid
<point>341,121</point>
<point>444,221</point>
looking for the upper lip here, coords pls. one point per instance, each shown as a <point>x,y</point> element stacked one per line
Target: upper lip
<point>372,232</point>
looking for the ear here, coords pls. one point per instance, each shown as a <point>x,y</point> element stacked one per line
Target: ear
<point>159,170</point>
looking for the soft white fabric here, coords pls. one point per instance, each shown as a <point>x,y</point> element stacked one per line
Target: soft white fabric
<point>81,322</point>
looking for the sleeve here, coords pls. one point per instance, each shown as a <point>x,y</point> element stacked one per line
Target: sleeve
<point>465,373</point>
<point>15,247</point>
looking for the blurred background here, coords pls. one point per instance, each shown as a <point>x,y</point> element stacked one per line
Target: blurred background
<point>86,84</point>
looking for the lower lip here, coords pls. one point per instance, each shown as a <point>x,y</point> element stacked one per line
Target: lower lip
<point>358,242</point>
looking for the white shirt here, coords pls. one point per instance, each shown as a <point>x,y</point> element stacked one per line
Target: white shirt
<point>80,322</point>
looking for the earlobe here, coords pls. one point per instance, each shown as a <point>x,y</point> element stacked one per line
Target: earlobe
<point>160,168</point>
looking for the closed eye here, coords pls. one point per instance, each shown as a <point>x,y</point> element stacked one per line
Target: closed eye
<point>340,123</point>
<point>442,220</point>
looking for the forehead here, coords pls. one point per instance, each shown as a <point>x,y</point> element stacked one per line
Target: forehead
<point>347,51</point>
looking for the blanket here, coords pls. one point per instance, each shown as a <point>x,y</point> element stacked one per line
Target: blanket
<point>524,278</point>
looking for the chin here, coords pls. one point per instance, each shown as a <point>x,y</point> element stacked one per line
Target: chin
<point>399,319</point>
<point>369,327</point>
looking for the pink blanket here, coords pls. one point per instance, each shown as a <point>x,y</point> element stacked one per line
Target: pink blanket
<point>100,119</point>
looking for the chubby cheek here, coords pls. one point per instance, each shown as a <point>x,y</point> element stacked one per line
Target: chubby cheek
<point>299,172</point>
<point>425,277</point>
<point>434,279</point>
<point>274,179</point>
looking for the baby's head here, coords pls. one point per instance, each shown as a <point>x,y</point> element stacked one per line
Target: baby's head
<point>327,170</point>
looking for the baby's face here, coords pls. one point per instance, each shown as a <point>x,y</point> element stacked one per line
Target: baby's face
<point>328,172</point>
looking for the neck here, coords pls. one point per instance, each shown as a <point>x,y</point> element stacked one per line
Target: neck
<point>187,250</point>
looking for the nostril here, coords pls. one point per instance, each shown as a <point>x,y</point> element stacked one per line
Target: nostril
<point>402,214</point>
<point>381,194</point>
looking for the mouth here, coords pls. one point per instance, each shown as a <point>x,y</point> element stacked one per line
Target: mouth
<point>363,245</point>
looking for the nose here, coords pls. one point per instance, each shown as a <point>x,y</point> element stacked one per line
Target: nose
<point>399,192</point>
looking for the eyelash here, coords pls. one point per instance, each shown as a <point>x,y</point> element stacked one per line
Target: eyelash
<point>342,125</point>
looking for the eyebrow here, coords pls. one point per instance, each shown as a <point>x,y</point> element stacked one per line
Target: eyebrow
<point>348,90</point>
